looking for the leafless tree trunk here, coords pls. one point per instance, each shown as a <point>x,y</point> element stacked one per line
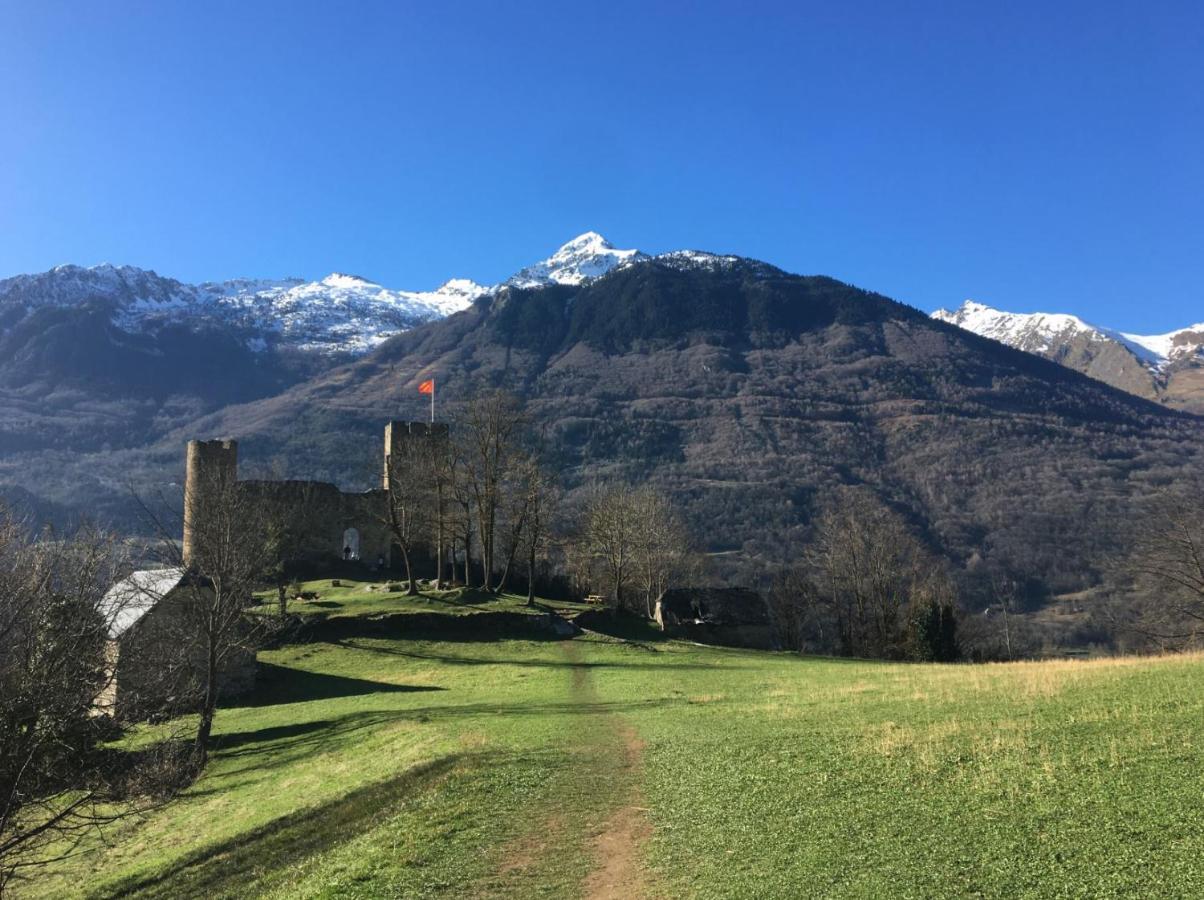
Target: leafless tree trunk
<point>236,537</point>
<point>297,522</point>
<point>410,498</point>
<point>1004,591</point>
<point>610,532</point>
<point>493,428</point>
<point>866,570</point>
<point>640,541</point>
<point>663,545</point>
<point>541,497</point>
<point>54,621</point>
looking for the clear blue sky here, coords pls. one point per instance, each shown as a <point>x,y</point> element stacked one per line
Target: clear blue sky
<point>1027,154</point>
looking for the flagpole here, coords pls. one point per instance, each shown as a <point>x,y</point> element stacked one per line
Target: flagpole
<point>432,401</point>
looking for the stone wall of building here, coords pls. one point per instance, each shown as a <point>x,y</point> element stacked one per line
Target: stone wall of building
<point>160,662</point>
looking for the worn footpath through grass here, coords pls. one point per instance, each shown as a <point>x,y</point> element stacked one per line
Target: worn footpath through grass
<point>415,748</point>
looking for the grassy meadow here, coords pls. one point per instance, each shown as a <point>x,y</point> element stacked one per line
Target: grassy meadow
<point>435,747</point>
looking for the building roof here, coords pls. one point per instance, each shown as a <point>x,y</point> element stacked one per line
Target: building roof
<point>134,596</point>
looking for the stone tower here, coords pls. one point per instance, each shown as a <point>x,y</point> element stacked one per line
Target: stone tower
<point>209,464</point>
<point>398,432</point>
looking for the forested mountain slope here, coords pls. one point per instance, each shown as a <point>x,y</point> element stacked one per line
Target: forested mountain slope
<point>751,395</point>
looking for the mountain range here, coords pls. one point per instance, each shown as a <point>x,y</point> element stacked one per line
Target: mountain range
<point>750,395</point>
<point>115,355</point>
<point>1168,368</point>
<point>339,315</point>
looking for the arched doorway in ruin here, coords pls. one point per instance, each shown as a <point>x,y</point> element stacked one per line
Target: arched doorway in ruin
<point>351,544</point>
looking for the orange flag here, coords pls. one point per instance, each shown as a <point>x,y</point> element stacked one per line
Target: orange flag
<point>427,387</point>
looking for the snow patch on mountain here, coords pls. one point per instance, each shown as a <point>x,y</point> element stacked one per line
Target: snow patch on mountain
<point>1045,332</point>
<point>1173,346</point>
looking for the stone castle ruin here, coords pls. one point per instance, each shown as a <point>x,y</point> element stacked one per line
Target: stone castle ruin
<point>152,628</point>
<point>328,526</point>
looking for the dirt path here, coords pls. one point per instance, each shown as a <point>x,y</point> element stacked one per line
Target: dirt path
<point>617,846</point>
<point>617,839</point>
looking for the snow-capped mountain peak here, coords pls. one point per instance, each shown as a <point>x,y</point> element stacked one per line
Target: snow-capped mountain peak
<point>341,280</point>
<point>339,314</point>
<point>1033,329</point>
<point>586,256</point>
<point>1037,332</point>
<point>1051,334</point>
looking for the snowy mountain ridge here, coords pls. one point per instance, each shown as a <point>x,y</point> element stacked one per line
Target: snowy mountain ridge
<point>1045,333</point>
<point>339,314</point>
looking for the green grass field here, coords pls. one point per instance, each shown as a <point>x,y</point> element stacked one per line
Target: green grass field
<point>409,749</point>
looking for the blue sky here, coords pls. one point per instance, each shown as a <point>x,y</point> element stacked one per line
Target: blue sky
<point>1029,155</point>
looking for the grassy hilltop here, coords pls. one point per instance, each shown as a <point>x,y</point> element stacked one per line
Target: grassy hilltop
<point>434,747</point>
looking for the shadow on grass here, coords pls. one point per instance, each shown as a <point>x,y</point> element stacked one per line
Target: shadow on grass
<point>473,627</point>
<point>280,684</point>
<point>232,868</point>
<point>668,665</point>
<point>280,736</point>
<point>246,757</point>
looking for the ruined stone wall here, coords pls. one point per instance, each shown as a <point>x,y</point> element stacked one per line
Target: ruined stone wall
<point>316,517</point>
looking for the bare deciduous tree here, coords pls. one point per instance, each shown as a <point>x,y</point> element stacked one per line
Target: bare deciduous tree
<point>235,535</point>
<point>410,498</point>
<point>541,497</point>
<point>1168,558</point>
<point>867,587</point>
<point>639,541</point>
<point>459,507</point>
<point>1004,592</point>
<point>55,788</point>
<point>795,606</point>
<point>663,546</point>
<point>610,532</point>
<point>494,426</point>
<point>298,514</point>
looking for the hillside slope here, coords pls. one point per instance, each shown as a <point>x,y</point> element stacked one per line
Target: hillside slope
<point>751,395</point>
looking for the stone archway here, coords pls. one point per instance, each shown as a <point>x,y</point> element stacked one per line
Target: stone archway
<point>351,545</point>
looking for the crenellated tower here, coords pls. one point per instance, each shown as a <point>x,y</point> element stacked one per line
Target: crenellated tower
<point>397,432</point>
